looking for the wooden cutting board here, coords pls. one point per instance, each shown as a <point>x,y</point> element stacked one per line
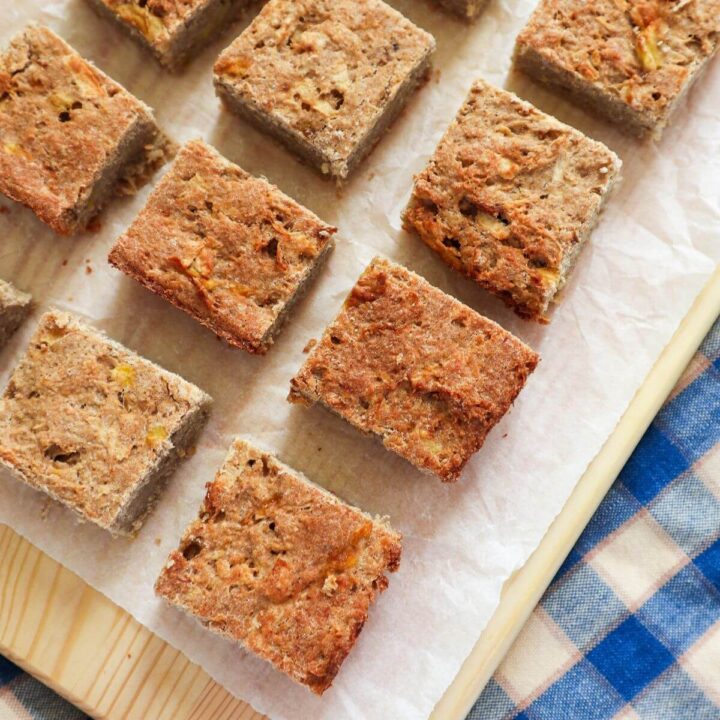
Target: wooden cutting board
<point>93,653</point>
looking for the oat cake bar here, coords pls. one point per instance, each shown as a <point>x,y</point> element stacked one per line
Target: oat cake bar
<point>280,565</point>
<point>93,425</point>
<point>173,30</point>
<point>228,248</point>
<point>325,77</point>
<point>70,137</point>
<point>409,364</point>
<point>14,308</point>
<point>510,197</point>
<point>631,61</point>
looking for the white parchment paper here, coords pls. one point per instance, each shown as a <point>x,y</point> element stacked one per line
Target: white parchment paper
<point>654,250</point>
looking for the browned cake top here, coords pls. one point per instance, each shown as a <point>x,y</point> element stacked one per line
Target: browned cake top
<point>326,68</point>
<point>641,51</point>
<point>157,20</point>
<point>84,419</point>
<point>229,248</point>
<point>407,362</point>
<point>60,121</point>
<point>281,565</point>
<point>507,194</point>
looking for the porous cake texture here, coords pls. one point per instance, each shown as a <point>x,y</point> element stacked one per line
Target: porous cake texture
<point>70,137</point>
<point>510,198</point>
<point>631,61</point>
<point>229,249</point>
<point>95,426</point>
<point>413,366</point>
<point>326,77</point>
<point>280,565</point>
<point>173,30</point>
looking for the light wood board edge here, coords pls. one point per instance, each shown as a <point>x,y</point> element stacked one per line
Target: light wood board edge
<point>83,646</point>
<point>523,591</point>
<point>97,656</point>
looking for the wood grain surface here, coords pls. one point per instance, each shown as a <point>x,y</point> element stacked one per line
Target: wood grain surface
<point>93,653</point>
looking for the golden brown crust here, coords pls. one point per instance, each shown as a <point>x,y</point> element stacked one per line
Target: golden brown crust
<point>228,248</point>
<point>414,366</point>
<point>281,566</point>
<point>171,29</point>
<point>509,197</point>
<point>61,123</point>
<point>325,70</point>
<point>156,20</point>
<point>86,420</point>
<point>639,53</point>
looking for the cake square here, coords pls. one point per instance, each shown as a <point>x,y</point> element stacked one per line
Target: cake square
<point>14,308</point>
<point>70,137</point>
<point>281,565</point>
<point>510,197</point>
<point>413,366</point>
<point>631,61</point>
<point>93,425</point>
<point>173,31</point>
<point>325,77</point>
<point>229,249</point>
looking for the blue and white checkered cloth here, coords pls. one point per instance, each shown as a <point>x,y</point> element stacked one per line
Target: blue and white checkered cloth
<point>630,627</point>
<point>24,698</point>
